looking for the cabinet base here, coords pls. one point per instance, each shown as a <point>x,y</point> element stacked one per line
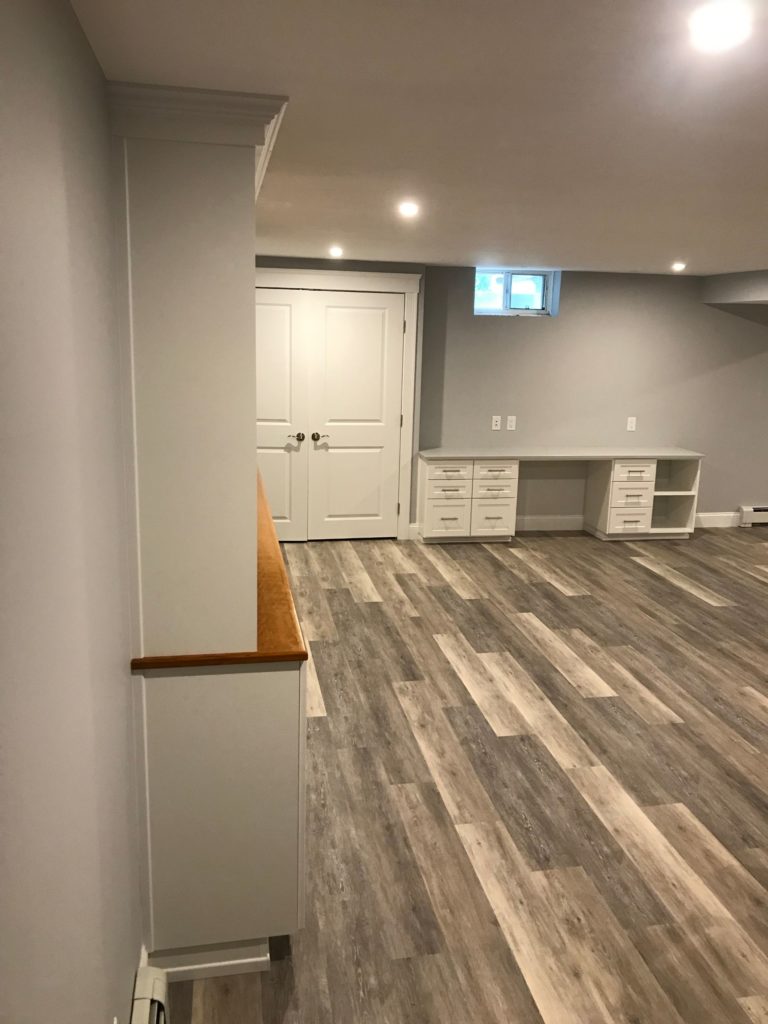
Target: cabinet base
<point>212,961</point>
<point>656,535</point>
<point>503,538</point>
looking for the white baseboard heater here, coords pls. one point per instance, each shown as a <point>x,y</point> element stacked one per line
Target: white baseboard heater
<point>150,996</point>
<point>753,515</point>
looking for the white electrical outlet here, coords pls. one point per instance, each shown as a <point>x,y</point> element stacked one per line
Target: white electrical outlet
<point>631,422</point>
<point>511,422</point>
<point>495,422</point>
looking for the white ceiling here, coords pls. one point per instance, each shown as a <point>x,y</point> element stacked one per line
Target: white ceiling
<point>575,133</point>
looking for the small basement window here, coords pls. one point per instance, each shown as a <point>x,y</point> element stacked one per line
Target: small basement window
<point>501,291</point>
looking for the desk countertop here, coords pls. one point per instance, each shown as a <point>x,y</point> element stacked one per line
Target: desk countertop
<point>543,453</point>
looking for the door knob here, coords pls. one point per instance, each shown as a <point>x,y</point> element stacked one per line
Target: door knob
<point>298,437</point>
<point>317,437</point>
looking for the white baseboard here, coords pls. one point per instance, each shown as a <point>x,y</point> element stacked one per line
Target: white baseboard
<point>717,520</point>
<point>525,523</point>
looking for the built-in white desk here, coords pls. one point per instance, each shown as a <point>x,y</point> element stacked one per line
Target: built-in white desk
<point>471,494</point>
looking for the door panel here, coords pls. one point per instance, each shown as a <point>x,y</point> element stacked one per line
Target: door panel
<point>281,401</point>
<point>356,356</point>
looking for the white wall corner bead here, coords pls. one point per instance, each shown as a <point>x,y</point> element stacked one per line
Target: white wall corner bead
<point>177,114</point>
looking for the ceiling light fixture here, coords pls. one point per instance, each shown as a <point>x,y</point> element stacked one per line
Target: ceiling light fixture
<point>336,252</point>
<point>678,267</point>
<point>720,25</point>
<point>408,208</point>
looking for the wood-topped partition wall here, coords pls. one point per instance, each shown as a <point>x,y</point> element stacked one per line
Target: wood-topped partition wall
<point>220,660</point>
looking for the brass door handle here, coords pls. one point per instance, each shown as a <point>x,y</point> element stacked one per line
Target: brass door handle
<point>298,437</point>
<point>317,437</point>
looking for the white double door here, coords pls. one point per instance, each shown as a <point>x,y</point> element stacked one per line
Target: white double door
<point>329,367</point>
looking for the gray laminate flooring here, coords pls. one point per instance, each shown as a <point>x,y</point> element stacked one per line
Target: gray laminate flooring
<point>536,787</point>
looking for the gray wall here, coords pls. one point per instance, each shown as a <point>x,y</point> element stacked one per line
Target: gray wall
<point>70,934</point>
<point>623,345</point>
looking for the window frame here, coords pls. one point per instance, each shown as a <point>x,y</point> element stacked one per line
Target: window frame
<point>550,298</point>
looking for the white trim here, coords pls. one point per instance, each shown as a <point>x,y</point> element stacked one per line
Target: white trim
<point>337,280</point>
<point>413,532</point>
<point>179,114</point>
<point>407,409</point>
<point>214,962</point>
<point>301,881</point>
<point>407,285</point>
<point>556,522</point>
<point>717,520</point>
<point>265,152</point>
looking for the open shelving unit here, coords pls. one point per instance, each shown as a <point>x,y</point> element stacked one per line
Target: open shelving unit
<point>674,495</point>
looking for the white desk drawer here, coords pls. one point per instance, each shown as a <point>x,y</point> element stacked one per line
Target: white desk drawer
<point>449,489</point>
<point>636,470</point>
<point>498,469</point>
<point>631,495</point>
<point>627,521</point>
<point>447,518</point>
<point>449,471</point>
<point>494,489</point>
<point>490,517</point>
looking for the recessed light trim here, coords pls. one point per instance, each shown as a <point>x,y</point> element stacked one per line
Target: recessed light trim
<point>720,25</point>
<point>408,208</point>
<point>336,252</point>
<point>678,266</point>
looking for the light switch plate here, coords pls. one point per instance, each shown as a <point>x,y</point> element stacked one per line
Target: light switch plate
<point>631,422</point>
<point>495,422</point>
<point>511,422</point>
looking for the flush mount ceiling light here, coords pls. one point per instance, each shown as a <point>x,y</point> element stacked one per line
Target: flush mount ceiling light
<point>336,252</point>
<point>408,208</point>
<point>720,25</point>
<point>679,267</point>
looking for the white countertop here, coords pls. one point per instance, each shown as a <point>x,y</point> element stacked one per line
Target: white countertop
<point>542,453</point>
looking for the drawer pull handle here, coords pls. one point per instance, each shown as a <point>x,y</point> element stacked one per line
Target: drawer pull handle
<point>448,519</point>
<point>635,471</point>
<point>451,469</point>
<point>444,489</point>
<point>630,522</point>
<point>494,517</point>
<point>494,488</point>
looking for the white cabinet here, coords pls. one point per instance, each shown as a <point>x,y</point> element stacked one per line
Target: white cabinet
<point>653,498</point>
<point>467,498</point>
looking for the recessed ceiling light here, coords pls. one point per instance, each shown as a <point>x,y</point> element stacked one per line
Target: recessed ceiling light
<point>720,25</point>
<point>336,252</point>
<point>408,208</point>
<point>678,267</point>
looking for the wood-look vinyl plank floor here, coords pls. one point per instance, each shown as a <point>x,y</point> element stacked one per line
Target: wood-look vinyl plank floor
<point>536,787</point>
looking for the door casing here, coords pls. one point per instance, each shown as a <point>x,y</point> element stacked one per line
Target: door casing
<point>409,286</point>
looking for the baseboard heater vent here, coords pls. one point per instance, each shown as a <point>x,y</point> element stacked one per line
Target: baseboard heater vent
<point>150,997</point>
<point>753,515</point>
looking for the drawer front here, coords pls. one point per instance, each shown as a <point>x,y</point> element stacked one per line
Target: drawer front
<point>642,470</point>
<point>623,520</point>
<point>494,489</point>
<point>449,489</point>
<point>631,495</point>
<point>447,518</point>
<point>449,471</point>
<point>490,517</point>
<point>498,469</point>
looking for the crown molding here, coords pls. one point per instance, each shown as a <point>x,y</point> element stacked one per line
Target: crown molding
<point>180,114</point>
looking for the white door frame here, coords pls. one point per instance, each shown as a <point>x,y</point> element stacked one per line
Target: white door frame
<point>407,285</point>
